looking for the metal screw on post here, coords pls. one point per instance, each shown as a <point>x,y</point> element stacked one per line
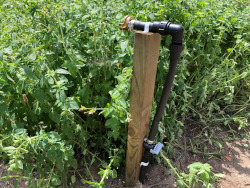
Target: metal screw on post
<point>163,28</point>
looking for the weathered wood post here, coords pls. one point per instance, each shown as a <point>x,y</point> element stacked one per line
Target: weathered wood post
<point>146,53</point>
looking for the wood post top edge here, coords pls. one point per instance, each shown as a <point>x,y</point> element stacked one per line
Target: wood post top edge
<point>147,33</point>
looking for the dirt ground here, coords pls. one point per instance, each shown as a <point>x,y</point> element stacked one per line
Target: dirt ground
<point>233,161</point>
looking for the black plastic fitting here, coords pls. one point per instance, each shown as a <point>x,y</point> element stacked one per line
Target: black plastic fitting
<point>163,28</point>
<point>148,146</point>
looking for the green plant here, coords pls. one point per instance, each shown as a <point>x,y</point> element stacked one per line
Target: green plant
<point>214,63</point>
<point>46,154</point>
<point>118,108</point>
<point>104,174</point>
<point>199,173</point>
<point>66,68</point>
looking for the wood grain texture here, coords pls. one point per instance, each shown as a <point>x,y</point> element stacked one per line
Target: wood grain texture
<point>146,53</point>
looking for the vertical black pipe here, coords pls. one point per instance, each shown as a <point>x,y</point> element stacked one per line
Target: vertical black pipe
<point>175,52</point>
<point>143,170</point>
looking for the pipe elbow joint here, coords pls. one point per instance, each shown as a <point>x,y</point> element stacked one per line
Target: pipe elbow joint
<point>176,31</point>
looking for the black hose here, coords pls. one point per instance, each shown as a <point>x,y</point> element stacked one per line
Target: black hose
<point>143,170</point>
<point>175,52</point>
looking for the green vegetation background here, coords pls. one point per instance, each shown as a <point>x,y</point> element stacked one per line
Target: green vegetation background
<point>65,70</point>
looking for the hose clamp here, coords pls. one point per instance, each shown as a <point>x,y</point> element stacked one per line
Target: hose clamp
<point>146,27</point>
<point>148,141</point>
<point>131,25</point>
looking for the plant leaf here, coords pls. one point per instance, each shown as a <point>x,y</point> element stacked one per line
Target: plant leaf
<point>112,123</point>
<point>124,45</point>
<point>73,179</point>
<point>3,108</point>
<point>55,116</point>
<point>32,57</point>
<point>9,149</point>
<point>62,71</point>
<point>73,105</point>
<point>19,164</point>
<point>55,180</point>
<point>219,175</point>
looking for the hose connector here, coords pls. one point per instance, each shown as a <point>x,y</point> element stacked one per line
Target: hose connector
<point>125,25</point>
<point>161,27</point>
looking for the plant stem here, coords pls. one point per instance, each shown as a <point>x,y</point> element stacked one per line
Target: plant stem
<point>51,172</point>
<point>106,171</point>
<point>171,166</point>
<point>85,163</point>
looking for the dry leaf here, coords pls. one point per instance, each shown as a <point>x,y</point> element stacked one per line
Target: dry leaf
<point>229,158</point>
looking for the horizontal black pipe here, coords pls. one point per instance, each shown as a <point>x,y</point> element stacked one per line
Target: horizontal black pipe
<point>163,28</point>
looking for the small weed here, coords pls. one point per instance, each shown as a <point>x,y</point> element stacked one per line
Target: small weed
<point>199,173</point>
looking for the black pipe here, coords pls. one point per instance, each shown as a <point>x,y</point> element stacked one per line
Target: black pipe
<point>163,28</point>
<point>176,47</point>
<point>175,52</point>
<point>144,163</point>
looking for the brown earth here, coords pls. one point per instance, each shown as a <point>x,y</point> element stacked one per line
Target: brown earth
<point>233,161</point>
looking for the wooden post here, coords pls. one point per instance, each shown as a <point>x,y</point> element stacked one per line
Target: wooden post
<point>146,53</point>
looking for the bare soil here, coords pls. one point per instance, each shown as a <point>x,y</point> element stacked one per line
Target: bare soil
<point>233,161</point>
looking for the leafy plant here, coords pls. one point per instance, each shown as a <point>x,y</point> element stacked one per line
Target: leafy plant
<point>46,154</point>
<point>199,172</point>
<point>118,108</point>
<point>65,70</point>
<point>104,175</point>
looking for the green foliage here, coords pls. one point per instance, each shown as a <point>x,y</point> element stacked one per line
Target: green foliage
<point>118,108</point>
<point>199,172</point>
<point>212,81</point>
<point>65,77</point>
<point>104,175</point>
<point>46,153</point>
